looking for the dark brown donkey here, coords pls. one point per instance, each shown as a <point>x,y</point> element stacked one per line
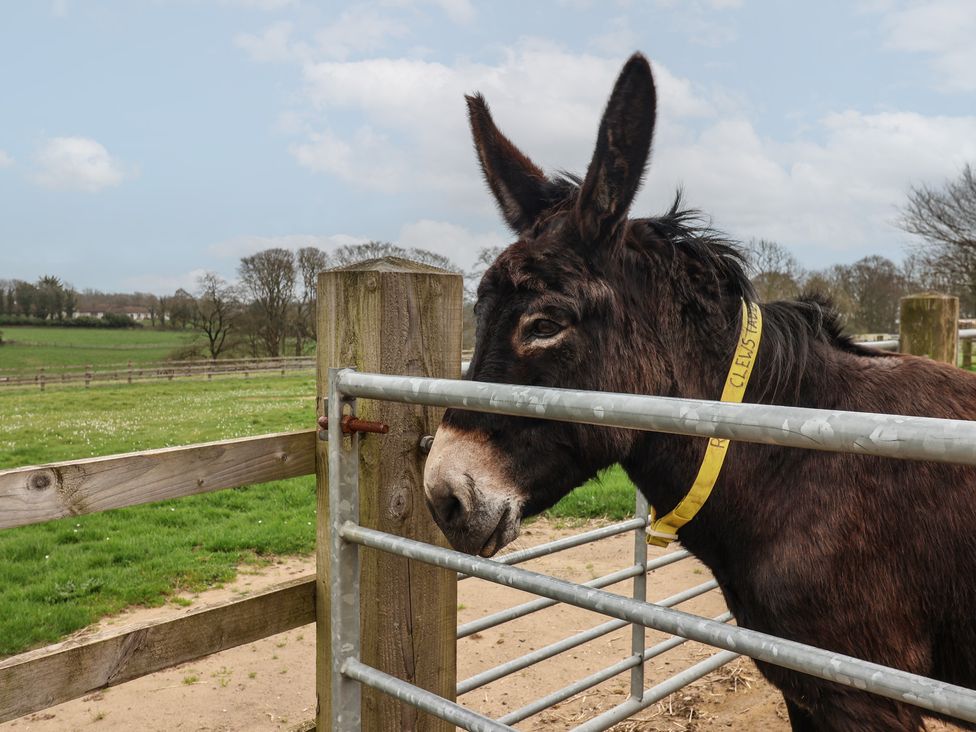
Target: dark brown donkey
<point>870,557</point>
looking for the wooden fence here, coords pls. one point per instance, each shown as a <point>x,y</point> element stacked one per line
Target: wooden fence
<point>47,676</point>
<point>391,316</point>
<point>130,372</point>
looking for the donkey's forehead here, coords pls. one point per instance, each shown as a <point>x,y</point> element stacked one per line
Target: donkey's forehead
<point>538,267</point>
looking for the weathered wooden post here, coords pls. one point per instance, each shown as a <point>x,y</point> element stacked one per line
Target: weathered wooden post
<point>130,373</point>
<point>40,377</point>
<point>88,375</point>
<point>395,317</point>
<point>929,326</point>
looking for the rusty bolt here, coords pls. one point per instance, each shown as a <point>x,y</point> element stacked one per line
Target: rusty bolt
<point>352,424</point>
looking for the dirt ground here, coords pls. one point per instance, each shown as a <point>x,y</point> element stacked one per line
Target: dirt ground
<point>269,685</point>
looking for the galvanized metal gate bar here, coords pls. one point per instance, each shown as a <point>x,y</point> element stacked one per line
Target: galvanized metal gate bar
<point>653,695</point>
<point>568,542</point>
<point>937,696</point>
<point>588,682</point>
<point>638,632</point>
<point>885,435</point>
<point>570,642</point>
<point>421,698</point>
<point>346,701</point>
<point>534,606</point>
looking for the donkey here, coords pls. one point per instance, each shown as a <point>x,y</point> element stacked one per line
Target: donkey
<point>870,557</point>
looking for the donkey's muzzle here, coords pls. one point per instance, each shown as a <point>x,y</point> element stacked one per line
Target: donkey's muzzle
<point>468,496</point>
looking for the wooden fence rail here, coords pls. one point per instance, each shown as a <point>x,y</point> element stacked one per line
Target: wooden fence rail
<point>39,493</point>
<point>44,677</point>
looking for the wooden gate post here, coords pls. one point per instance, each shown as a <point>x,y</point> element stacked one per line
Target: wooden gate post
<point>929,326</point>
<point>395,317</point>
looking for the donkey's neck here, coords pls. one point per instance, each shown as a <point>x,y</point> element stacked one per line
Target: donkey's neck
<point>796,365</point>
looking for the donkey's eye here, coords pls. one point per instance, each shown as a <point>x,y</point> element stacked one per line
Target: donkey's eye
<point>543,328</point>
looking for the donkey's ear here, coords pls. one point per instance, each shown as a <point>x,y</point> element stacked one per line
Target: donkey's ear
<point>518,184</point>
<point>622,147</point>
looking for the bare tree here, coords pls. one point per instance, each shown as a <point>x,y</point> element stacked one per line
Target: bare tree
<point>945,219</point>
<point>352,253</point>
<point>775,273</point>
<point>214,311</point>
<point>311,261</point>
<point>268,278</point>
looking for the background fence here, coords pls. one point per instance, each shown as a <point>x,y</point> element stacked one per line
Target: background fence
<point>130,372</point>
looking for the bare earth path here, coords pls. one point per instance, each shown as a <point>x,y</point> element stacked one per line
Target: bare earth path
<point>269,685</point>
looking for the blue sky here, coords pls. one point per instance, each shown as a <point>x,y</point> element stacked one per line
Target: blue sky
<point>143,143</point>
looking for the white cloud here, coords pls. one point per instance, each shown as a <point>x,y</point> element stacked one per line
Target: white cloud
<point>244,246</point>
<point>830,192</point>
<point>944,29</point>
<point>5,160</point>
<point>273,44</point>
<point>77,163</point>
<point>360,29</point>
<point>828,200</point>
<point>412,131</point>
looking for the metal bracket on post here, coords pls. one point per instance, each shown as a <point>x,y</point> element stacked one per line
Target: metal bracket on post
<point>346,703</point>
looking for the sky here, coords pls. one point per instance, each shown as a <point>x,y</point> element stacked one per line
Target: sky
<point>145,142</point>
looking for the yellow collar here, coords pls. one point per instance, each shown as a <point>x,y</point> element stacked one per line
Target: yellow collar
<point>664,530</point>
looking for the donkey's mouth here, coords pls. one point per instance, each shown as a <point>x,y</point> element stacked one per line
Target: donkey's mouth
<point>505,533</point>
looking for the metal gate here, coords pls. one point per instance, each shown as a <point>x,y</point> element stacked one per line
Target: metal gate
<point>870,434</point>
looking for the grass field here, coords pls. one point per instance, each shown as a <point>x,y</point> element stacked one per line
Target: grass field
<point>60,576</point>
<point>31,347</point>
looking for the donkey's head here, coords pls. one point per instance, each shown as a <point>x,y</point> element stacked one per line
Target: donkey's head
<point>551,311</point>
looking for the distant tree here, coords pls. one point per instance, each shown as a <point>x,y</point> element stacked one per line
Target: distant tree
<point>866,293</point>
<point>181,307</point>
<point>945,219</point>
<point>25,295</point>
<point>70,304</point>
<point>49,302</point>
<point>151,303</point>
<point>215,310</point>
<point>774,272</point>
<point>311,261</point>
<point>268,278</point>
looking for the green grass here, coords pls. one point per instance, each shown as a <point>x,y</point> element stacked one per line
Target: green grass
<point>31,347</point>
<point>62,575</point>
<point>610,495</point>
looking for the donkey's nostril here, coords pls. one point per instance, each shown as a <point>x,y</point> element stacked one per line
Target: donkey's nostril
<point>445,505</point>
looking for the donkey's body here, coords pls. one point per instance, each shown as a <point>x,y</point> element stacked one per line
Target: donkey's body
<point>874,558</point>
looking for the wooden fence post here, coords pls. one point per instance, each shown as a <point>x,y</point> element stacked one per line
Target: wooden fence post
<point>929,326</point>
<point>396,317</point>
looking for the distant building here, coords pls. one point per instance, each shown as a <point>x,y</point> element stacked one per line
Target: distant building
<point>136,312</point>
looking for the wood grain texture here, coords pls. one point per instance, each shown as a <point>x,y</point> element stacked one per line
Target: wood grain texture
<point>394,317</point>
<point>928,326</point>
<point>47,676</point>
<point>43,492</point>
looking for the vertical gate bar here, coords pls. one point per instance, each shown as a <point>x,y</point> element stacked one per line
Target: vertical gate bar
<point>638,632</point>
<point>346,703</point>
